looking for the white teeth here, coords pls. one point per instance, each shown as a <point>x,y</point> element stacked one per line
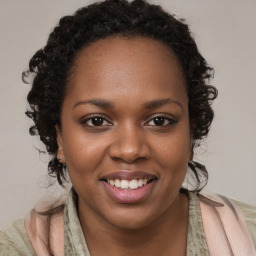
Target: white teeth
<point>117,183</point>
<point>126,184</point>
<point>133,184</point>
<point>112,182</point>
<point>140,183</point>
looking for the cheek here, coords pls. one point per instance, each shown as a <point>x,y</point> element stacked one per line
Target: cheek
<point>173,157</point>
<point>175,151</point>
<point>83,155</point>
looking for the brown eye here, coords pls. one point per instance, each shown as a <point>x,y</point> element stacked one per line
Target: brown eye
<point>161,121</point>
<point>96,121</point>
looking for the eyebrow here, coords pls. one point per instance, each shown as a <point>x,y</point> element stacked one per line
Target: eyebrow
<point>161,102</point>
<point>148,105</point>
<point>97,102</point>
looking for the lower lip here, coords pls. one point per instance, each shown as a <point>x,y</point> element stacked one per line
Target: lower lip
<point>129,196</point>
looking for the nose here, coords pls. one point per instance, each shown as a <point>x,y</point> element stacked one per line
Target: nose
<point>130,145</point>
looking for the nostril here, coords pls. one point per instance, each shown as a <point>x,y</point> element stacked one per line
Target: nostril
<point>129,150</point>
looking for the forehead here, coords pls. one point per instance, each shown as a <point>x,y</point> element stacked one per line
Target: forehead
<point>118,65</point>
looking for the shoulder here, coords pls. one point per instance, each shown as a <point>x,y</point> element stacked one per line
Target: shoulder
<point>237,224</point>
<point>249,213</point>
<point>15,241</point>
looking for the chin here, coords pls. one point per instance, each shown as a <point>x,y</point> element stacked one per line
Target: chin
<point>131,219</point>
<point>131,224</point>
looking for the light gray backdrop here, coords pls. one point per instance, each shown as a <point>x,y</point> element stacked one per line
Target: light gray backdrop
<point>226,36</point>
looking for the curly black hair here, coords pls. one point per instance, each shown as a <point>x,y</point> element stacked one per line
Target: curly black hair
<point>51,66</point>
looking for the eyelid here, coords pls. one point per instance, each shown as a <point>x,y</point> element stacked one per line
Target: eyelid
<point>86,118</point>
<point>169,117</point>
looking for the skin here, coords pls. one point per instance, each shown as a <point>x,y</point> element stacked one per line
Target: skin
<point>128,73</point>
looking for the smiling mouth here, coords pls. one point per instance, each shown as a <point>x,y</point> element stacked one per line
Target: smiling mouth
<point>124,184</point>
<point>129,187</point>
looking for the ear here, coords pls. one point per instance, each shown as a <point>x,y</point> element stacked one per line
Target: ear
<point>60,153</point>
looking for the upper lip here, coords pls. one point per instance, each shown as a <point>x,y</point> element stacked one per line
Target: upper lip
<point>128,175</point>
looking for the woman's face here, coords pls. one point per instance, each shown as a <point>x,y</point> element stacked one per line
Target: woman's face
<point>125,123</point>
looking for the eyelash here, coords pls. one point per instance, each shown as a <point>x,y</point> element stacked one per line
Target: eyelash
<point>171,121</point>
<point>85,121</point>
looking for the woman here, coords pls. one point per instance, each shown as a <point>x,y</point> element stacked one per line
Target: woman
<point>120,98</point>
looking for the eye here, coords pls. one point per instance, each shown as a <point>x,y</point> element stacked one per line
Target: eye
<point>161,121</point>
<point>96,121</point>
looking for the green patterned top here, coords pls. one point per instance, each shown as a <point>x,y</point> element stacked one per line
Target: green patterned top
<point>14,240</point>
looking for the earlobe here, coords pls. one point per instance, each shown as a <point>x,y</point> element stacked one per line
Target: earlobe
<point>60,153</point>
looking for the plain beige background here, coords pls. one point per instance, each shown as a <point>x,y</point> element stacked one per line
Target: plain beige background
<point>226,36</point>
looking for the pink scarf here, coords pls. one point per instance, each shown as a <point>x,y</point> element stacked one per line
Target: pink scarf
<point>224,226</point>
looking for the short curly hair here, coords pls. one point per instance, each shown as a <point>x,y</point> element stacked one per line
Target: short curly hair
<point>51,66</point>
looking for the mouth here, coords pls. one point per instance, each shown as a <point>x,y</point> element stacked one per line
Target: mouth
<point>124,184</point>
<point>129,186</point>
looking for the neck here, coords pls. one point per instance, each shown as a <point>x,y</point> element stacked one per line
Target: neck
<point>165,236</point>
